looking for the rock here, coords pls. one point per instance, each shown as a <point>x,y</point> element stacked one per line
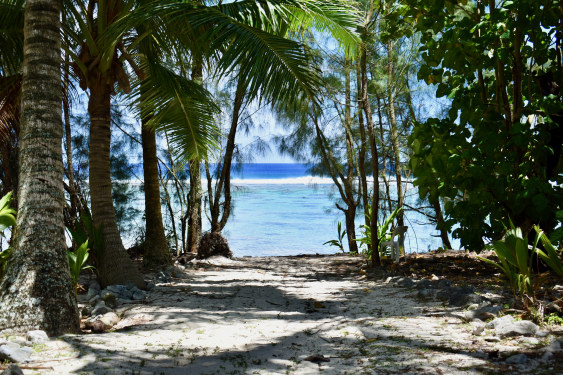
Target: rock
<point>94,285</point>
<point>14,352</point>
<point>407,282</point>
<point>94,300</point>
<point>426,293</point>
<point>91,293</point>
<point>546,357</point>
<point>462,296</point>
<point>483,313</point>
<point>444,283</point>
<point>110,299</point>
<point>530,341</point>
<point>213,244</point>
<point>100,309</point>
<point>478,328</point>
<point>503,320</point>
<point>101,323</point>
<point>150,285</point>
<point>37,337</point>
<point>555,346</point>
<point>109,319</point>
<point>424,284</point>
<point>139,295</point>
<point>12,370</point>
<point>516,328</point>
<point>163,277</point>
<point>517,359</point>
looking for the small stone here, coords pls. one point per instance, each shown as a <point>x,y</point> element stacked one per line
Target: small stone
<point>423,284</point>
<point>37,336</point>
<point>109,319</point>
<point>530,341</point>
<point>492,339</point>
<point>95,286</point>
<point>91,293</point>
<point>100,309</point>
<point>517,359</point>
<point>434,278</point>
<point>503,320</point>
<point>110,299</point>
<point>546,357</point>
<point>15,353</point>
<point>478,329</point>
<point>406,283</point>
<point>388,280</point>
<point>92,301</point>
<point>517,328</point>
<point>139,295</point>
<point>555,346</point>
<point>444,283</point>
<point>12,370</point>
<point>424,293</point>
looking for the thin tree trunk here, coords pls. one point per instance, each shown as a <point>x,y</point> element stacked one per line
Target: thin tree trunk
<point>37,291</point>
<point>375,259</point>
<point>362,153</point>
<point>395,133</point>
<point>384,158</point>
<point>194,206</point>
<point>156,252</point>
<point>219,221</point>
<point>115,265</point>
<point>440,224</point>
<point>195,193</point>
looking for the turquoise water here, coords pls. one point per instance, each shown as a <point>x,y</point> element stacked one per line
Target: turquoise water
<point>279,209</point>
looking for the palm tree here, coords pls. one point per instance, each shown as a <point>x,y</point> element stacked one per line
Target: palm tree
<point>37,292</point>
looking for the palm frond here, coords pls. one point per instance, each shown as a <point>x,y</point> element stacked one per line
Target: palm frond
<point>181,108</point>
<point>11,36</point>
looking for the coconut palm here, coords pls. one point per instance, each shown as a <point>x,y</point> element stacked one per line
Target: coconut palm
<point>37,292</point>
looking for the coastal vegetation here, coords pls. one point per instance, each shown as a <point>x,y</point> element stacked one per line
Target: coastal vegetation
<point>462,98</point>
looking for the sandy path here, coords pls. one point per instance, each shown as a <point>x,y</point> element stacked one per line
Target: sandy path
<point>265,316</point>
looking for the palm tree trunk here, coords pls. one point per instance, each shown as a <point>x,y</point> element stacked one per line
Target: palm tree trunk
<point>156,251</point>
<point>115,265</point>
<point>37,291</point>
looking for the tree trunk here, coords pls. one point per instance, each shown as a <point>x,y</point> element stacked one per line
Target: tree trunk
<point>440,224</point>
<point>195,193</point>
<point>37,291</point>
<point>156,252</point>
<point>375,259</point>
<point>395,134</point>
<point>115,265</point>
<point>194,206</point>
<point>219,221</point>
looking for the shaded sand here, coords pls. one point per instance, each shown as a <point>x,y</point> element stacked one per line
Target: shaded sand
<point>268,316</point>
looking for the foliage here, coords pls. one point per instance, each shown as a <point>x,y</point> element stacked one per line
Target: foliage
<point>7,214</point>
<point>338,242</point>
<point>497,152</point>
<point>77,262</point>
<point>515,261</point>
<point>7,220</point>
<point>551,256</point>
<point>383,232</point>
<point>86,232</point>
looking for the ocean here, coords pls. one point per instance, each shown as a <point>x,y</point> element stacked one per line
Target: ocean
<point>280,209</point>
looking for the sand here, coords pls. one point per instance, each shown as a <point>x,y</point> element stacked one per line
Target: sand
<point>279,315</point>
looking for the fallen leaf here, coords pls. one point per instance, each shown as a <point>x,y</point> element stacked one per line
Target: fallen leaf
<point>318,305</point>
